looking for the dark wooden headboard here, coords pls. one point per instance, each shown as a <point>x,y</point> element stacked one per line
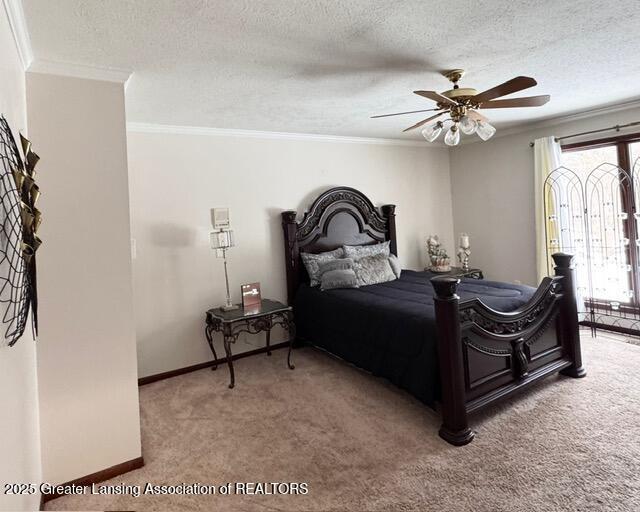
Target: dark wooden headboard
<point>340,216</point>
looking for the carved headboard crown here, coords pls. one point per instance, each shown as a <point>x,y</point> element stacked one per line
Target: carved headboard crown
<point>340,216</point>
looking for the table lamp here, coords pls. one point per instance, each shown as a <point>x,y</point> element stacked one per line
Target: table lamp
<point>221,240</point>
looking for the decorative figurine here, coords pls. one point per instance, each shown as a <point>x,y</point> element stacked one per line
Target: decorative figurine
<point>440,261</point>
<point>464,251</point>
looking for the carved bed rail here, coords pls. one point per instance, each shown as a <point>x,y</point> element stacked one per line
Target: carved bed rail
<point>485,354</point>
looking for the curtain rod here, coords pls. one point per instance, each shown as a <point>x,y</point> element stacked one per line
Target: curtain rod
<point>617,128</point>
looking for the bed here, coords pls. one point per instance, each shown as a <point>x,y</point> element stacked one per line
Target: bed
<point>456,344</point>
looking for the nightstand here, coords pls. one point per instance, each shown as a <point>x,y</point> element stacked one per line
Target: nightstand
<point>472,273</point>
<point>253,321</point>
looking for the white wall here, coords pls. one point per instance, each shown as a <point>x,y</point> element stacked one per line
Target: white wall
<point>493,195</point>
<point>19,437</point>
<point>87,373</point>
<point>175,180</point>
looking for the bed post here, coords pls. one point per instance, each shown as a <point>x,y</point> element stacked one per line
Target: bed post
<point>455,428</point>
<point>389,211</point>
<point>291,252</point>
<point>569,314</point>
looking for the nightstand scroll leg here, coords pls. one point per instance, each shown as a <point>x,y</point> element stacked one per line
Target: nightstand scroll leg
<point>227,348</point>
<point>208,332</point>
<point>268,341</point>
<point>291,327</point>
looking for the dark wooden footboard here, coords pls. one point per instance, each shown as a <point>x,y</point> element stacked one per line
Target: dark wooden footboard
<point>486,355</point>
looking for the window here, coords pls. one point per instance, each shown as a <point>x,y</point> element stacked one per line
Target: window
<point>607,216</point>
<point>608,171</point>
<point>634,148</point>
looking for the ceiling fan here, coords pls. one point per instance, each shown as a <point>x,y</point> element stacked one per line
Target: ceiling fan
<point>462,105</point>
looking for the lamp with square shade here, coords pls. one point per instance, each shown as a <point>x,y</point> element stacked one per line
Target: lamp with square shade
<point>222,239</point>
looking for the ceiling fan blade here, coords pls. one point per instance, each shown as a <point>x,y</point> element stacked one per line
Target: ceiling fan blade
<point>433,95</point>
<point>529,101</point>
<point>516,84</point>
<point>418,125</point>
<point>477,116</point>
<point>403,113</point>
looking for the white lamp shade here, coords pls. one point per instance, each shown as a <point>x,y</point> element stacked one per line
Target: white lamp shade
<point>467,125</point>
<point>452,138</point>
<point>222,239</point>
<point>431,132</point>
<point>484,130</point>
<point>220,218</point>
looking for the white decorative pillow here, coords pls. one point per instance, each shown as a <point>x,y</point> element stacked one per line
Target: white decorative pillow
<point>312,261</point>
<point>360,251</point>
<point>395,265</point>
<point>373,270</point>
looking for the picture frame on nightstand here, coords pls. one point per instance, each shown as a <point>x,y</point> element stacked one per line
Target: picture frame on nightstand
<point>251,297</point>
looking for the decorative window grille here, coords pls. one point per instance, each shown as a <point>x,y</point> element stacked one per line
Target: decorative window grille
<point>590,211</point>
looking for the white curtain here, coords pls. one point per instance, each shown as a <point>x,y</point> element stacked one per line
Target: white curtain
<point>547,157</point>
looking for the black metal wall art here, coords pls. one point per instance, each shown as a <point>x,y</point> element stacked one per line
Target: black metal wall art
<point>20,220</point>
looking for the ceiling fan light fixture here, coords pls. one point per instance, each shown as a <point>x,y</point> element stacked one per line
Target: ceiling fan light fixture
<point>467,125</point>
<point>432,132</point>
<point>464,104</point>
<point>484,130</point>
<point>452,138</point>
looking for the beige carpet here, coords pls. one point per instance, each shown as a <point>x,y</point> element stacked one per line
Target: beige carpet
<point>361,444</point>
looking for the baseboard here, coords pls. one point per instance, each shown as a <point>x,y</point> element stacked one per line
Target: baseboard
<point>188,369</point>
<point>99,476</point>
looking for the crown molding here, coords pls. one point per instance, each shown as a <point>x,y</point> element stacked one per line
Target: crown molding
<point>18,24</point>
<point>227,132</point>
<point>560,120</point>
<point>51,67</point>
<point>522,128</point>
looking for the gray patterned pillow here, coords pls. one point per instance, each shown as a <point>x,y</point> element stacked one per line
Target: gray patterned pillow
<point>360,251</point>
<point>312,261</point>
<point>395,265</point>
<point>339,264</point>
<point>338,278</point>
<point>373,270</point>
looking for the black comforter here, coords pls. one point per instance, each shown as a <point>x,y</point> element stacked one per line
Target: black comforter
<point>389,329</point>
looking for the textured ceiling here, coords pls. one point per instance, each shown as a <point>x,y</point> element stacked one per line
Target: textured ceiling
<point>325,66</point>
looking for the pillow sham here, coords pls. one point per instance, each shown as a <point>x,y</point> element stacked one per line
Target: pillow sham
<point>395,265</point>
<point>338,278</point>
<point>360,251</point>
<point>311,263</point>
<point>373,270</point>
